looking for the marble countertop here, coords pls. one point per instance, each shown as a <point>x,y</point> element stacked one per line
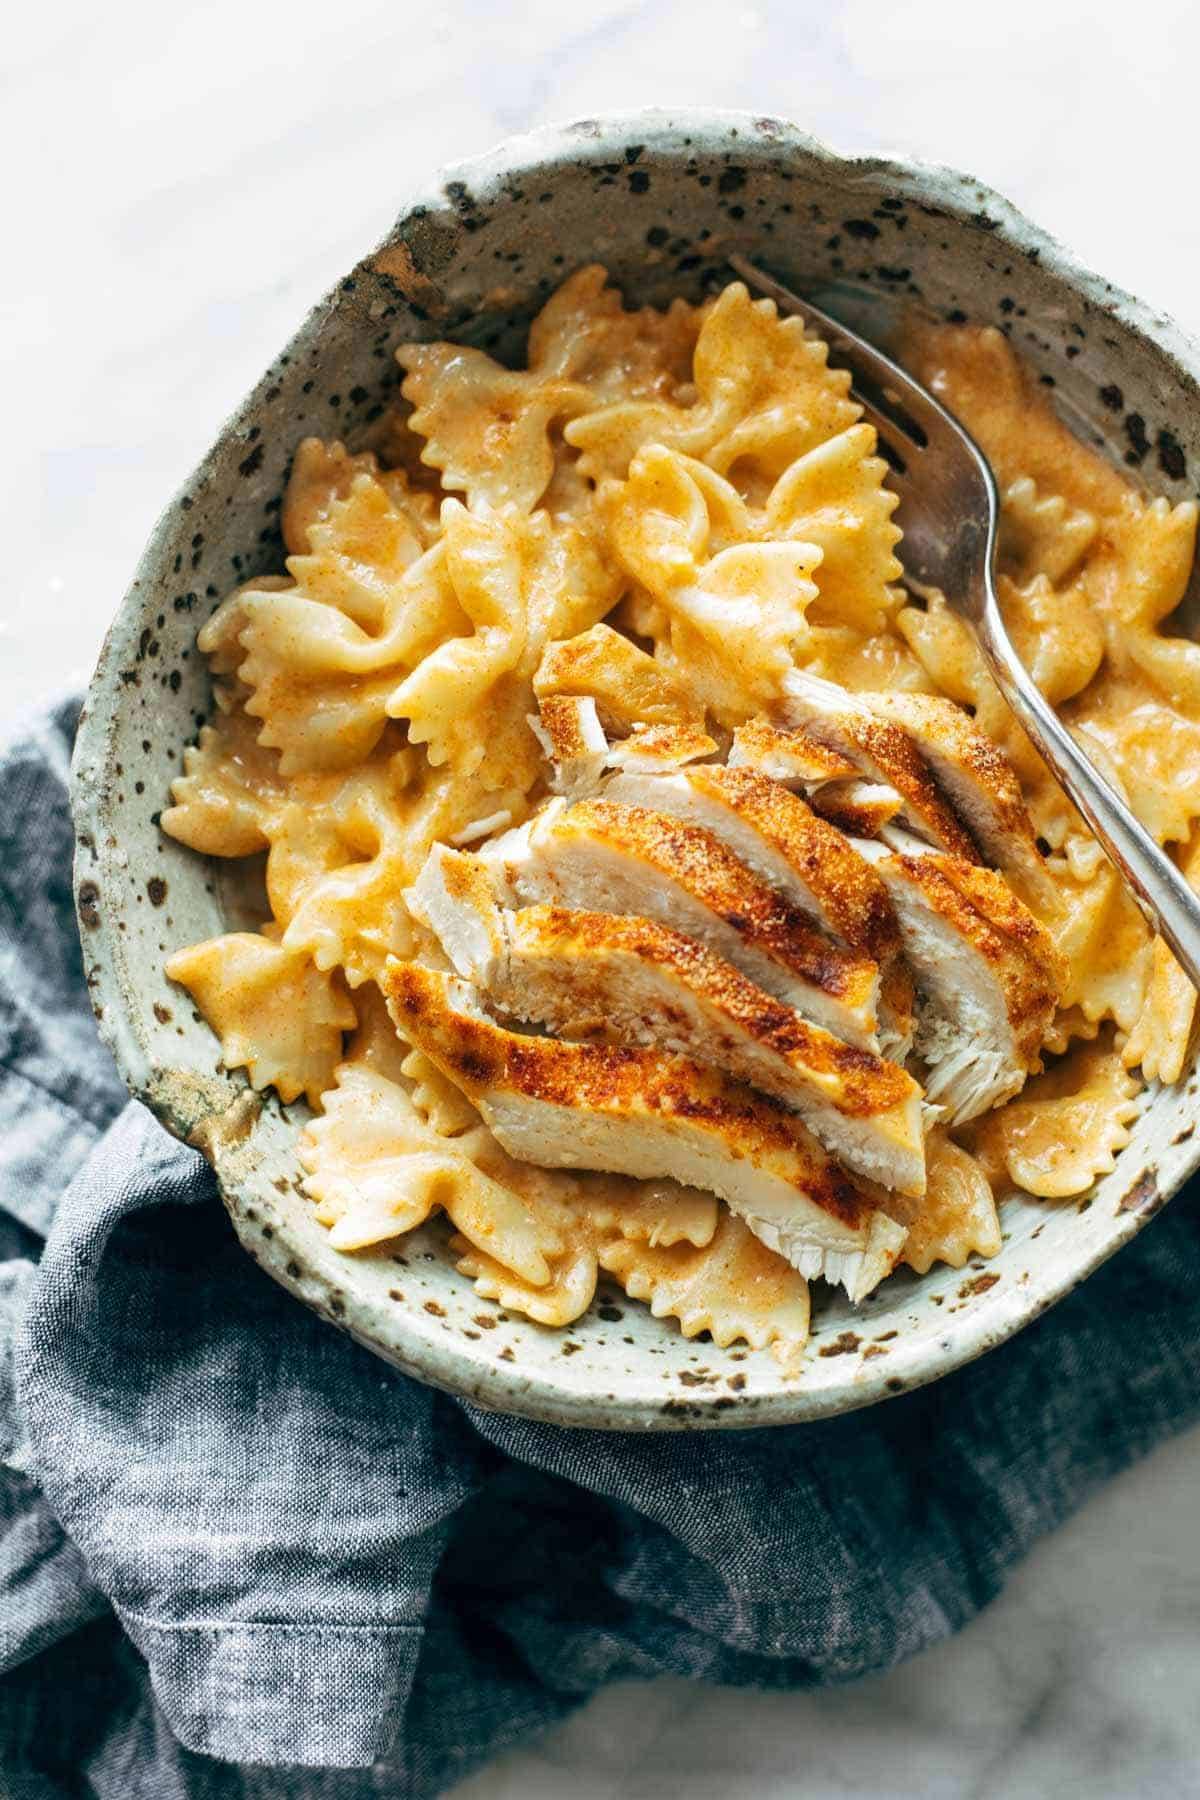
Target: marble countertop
<point>183,183</point>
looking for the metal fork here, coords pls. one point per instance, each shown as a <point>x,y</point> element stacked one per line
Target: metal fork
<point>949,511</point>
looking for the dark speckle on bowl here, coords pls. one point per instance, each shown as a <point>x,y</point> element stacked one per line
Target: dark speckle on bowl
<point>1139,443</point>
<point>1171,459</point>
<point>89,904</point>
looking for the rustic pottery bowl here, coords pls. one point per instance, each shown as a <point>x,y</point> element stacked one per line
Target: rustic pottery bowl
<point>660,198</point>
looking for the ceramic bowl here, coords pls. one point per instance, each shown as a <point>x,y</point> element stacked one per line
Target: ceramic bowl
<point>660,198</point>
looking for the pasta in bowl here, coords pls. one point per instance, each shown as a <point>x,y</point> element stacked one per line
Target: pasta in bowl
<point>649,893</point>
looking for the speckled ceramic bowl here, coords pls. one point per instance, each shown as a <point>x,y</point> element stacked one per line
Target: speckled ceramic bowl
<point>660,198</point>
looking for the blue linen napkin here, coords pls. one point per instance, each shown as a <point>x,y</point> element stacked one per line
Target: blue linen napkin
<point>241,1557</point>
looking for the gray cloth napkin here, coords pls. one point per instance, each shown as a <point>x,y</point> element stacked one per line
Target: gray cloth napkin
<point>240,1557</point>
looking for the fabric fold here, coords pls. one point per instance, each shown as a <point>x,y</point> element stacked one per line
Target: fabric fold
<point>316,1696</point>
<point>271,1553</point>
<point>59,1087</point>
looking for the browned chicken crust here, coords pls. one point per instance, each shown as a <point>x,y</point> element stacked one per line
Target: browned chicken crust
<point>981,906</point>
<point>867,1084</point>
<point>851,893</point>
<point>891,755</point>
<point>786,753</point>
<point>563,723</point>
<point>974,773</point>
<point>698,861</point>
<point>479,1056</point>
<point>628,686</point>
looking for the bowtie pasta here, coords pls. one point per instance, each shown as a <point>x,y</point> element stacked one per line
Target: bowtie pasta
<point>640,536</point>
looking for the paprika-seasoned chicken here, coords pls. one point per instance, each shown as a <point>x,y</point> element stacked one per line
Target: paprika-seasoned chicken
<point>570,733</point>
<point>578,749</point>
<point>602,857</point>
<point>599,975</point>
<point>863,808</point>
<point>987,972</point>
<point>978,780</point>
<point>830,782</point>
<point>645,1113</point>
<point>787,754</point>
<point>774,833</point>
<point>881,750</point>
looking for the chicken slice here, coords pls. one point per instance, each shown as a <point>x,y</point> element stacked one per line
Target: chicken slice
<point>978,780</point>
<point>602,857</point>
<point>861,808</point>
<point>643,1113</point>
<point>628,685</point>
<point>660,747</point>
<point>569,730</point>
<point>787,754</point>
<point>988,976</point>
<point>576,745</point>
<point>830,781</point>
<point>881,750</point>
<point>587,974</point>
<point>775,834</point>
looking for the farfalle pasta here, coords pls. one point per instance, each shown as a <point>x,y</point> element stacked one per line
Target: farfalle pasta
<point>606,581</point>
<point>733,1287</point>
<point>761,394</point>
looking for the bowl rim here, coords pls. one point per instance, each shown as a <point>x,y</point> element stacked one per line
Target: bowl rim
<point>505,1388</point>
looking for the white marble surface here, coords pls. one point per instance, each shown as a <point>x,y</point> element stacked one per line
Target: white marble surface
<point>181,182</point>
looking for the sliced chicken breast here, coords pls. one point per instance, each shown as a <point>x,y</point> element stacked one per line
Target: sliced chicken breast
<point>988,977</point>
<point>577,746</point>
<point>644,1113</point>
<point>774,833</point>
<point>978,780</point>
<point>593,975</point>
<point>831,782</point>
<point>660,747</point>
<point>629,687</point>
<point>787,754</point>
<point>881,750</point>
<point>455,897</point>
<point>601,857</point>
<point>860,807</point>
<point>569,730</point>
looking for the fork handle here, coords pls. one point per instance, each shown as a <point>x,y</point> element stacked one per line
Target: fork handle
<point>1164,897</point>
